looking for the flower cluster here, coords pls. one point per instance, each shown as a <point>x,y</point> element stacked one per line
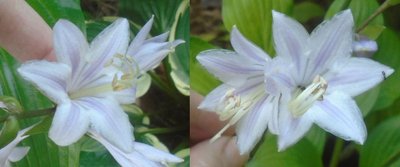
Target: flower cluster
<point>312,79</point>
<point>89,82</point>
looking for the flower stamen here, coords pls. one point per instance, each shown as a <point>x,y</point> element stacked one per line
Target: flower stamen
<point>304,99</point>
<point>234,107</point>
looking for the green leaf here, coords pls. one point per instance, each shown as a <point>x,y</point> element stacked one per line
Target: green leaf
<point>394,2</point>
<point>317,137</point>
<point>179,60</point>
<point>11,84</point>
<point>382,147</point>
<point>97,159</point>
<point>42,127</point>
<point>185,155</point>
<point>200,80</point>
<point>302,154</point>
<point>305,11</point>
<point>88,144</point>
<point>366,101</point>
<point>254,19</point>
<point>388,49</point>
<point>140,11</point>
<point>362,9</point>
<point>373,31</point>
<point>52,11</point>
<point>335,7</point>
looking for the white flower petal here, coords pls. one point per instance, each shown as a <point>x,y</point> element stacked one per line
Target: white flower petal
<point>7,150</point>
<point>159,38</point>
<point>18,153</point>
<point>110,121</point>
<point>211,101</point>
<point>252,126</point>
<point>69,124</point>
<point>228,66</point>
<point>273,123</point>
<point>330,41</point>
<point>111,41</point>
<point>140,37</point>
<point>291,129</point>
<point>356,75</point>
<point>245,48</point>
<point>290,39</point>
<point>11,152</point>
<point>154,154</point>
<point>130,159</point>
<point>150,55</point>
<point>69,44</point>
<point>126,96</point>
<point>277,77</point>
<point>49,77</point>
<point>339,114</point>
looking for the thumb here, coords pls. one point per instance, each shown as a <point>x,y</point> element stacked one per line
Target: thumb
<point>221,153</point>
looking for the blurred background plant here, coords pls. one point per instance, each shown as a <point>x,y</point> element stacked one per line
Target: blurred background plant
<point>160,117</point>
<point>211,21</point>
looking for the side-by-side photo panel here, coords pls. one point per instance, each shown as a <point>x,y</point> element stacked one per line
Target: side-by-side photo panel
<point>294,83</point>
<point>94,83</point>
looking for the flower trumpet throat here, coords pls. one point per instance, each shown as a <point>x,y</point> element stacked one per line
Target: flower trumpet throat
<point>123,79</point>
<point>304,99</point>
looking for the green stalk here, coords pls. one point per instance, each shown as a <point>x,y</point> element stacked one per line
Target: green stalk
<point>378,11</point>
<point>336,153</point>
<point>162,130</point>
<point>31,114</point>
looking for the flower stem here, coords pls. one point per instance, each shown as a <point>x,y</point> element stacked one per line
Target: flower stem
<point>336,153</point>
<point>31,114</point>
<point>378,11</point>
<point>161,130</point>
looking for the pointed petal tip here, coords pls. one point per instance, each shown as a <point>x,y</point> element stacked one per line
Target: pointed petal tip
<point>178,42</point>
<point>281,147</point>
<point>121,22</point>
<point>276,14</point>
<point>389,71</point>
<point>63,25</point>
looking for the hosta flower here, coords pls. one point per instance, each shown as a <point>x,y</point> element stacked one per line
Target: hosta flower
<point>143,54</point>
<point>82,84</point>
<point>142,155</point>
<point>12,153</point>
<point>312,79</point>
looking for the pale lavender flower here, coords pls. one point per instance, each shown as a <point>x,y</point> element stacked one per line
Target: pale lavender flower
<point>143,54</point>
<point>143,155</point>
<point>12,153</point>
<point>82,85</point>
<point>311,80</point>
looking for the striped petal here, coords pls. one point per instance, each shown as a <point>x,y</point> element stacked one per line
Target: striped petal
<point>230,67</point>
<point>70,123</point>
<point>110,121</point>
<point>50,77</point>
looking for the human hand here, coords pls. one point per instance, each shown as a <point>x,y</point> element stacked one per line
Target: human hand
<point>23,33</point>
<point>203,125</point>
